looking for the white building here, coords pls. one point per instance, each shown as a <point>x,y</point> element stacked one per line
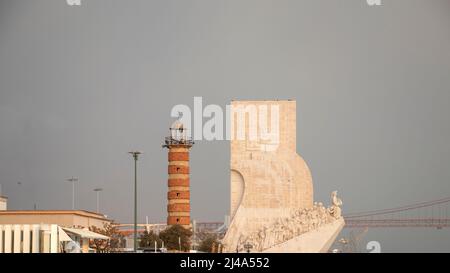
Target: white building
<point>48,231</point>
<point>45,238</point>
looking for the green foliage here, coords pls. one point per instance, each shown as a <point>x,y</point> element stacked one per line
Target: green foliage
<point>172,234</point>
<point>147,239</point>
<point>206,245</point>
<point>111,245</point>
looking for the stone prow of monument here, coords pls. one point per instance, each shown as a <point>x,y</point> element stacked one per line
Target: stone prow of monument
<point>271,185</point>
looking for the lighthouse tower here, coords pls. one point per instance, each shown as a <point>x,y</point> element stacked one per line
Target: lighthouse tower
<point>178,195</point>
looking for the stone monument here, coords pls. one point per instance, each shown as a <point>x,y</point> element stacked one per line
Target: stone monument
<point>272,205</point>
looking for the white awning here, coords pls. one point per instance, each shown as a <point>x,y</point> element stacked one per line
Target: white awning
<point>84,233</point>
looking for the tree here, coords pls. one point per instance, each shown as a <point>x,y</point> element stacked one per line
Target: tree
<point>173,234</point>
<point>147,239</point>
<point>206,244</point>
<point>115,238</point>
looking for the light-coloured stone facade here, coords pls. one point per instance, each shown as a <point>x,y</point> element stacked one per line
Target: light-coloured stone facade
<point>271,185</point>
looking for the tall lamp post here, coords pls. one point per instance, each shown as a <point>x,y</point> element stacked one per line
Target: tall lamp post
<point>73,180</point>
<point>135,156</point>
<point>98,190</point>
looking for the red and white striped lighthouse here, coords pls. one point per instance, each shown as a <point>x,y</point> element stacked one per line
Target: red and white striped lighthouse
<point>178,195</point>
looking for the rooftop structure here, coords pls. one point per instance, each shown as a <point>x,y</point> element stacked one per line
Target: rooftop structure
<point>65,218</point>
<point>3,203</point>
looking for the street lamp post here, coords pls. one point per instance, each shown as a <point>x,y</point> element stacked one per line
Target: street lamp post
<point>73,180</point>
<point>135,156</point>
<point>98,190</point>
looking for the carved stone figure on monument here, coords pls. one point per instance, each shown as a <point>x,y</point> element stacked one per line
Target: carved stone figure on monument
<point>315,218</point>
<point>298,225</point>
<point>261,238</point>
<point>241,242</point>
<point>270,237</point>
<point>336,202</point>
<point>278,232</point>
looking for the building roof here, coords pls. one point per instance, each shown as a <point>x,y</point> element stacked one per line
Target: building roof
<point>3,197</point>
<point>84,213</point>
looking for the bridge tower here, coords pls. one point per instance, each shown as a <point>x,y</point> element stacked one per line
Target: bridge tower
<point>178,195</point>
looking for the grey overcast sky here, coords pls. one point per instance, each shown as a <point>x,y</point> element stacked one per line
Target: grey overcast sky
<point>81,86</point>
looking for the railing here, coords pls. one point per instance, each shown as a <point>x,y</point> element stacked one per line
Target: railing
<point>431,222</point>
<point>183,141</point>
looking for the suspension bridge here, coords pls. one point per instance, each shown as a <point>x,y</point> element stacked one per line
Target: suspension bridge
<point>434,214</point>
